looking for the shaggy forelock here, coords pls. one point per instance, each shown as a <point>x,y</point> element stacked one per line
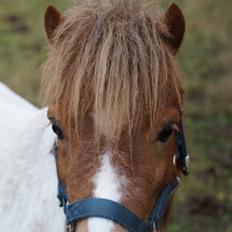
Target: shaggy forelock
<point>108,60</point>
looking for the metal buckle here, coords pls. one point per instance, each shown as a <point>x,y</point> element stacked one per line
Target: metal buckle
<point>187,160</point>
<point>185,167</point>
<point>154,227</point>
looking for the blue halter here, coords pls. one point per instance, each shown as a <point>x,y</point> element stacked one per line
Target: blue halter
<point>103,208</point>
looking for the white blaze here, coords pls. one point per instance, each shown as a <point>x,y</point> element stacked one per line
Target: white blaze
<point>107,185</point>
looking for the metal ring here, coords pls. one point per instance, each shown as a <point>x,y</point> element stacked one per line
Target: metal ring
<point>70,228</point>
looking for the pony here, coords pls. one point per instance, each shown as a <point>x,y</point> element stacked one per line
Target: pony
<point>114,95</point>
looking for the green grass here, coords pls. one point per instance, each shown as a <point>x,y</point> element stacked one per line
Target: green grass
<point>23,44</point>
<point>205,57</point>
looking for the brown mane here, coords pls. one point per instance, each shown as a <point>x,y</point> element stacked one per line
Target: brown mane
<point>109,58</point>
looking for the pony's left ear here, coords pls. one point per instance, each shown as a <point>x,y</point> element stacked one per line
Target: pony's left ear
<point>172,27</point>
<point>52,19</point>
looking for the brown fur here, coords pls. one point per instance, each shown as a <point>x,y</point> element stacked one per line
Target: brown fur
<point>112,78</point>
<point>52,19</point>
<point>175,24</point>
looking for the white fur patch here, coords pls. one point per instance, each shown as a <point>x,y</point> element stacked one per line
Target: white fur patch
<point>28,183</point>
<point>107,185</point>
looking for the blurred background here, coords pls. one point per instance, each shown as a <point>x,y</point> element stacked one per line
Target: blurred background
<point>204,202</point>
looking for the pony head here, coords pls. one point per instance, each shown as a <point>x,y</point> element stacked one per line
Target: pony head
<point>114,94</point>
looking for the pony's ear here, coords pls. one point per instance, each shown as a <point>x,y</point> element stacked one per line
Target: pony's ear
<point>174,27</point>
<point>52,19</point>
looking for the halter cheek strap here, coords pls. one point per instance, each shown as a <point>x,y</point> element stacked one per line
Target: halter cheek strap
<point>183,158</point>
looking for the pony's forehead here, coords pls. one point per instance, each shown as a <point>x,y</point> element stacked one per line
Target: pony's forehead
<point>121,72</point>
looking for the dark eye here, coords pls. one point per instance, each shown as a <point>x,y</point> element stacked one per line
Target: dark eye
<point>165,134</point>
<point>57,131</point>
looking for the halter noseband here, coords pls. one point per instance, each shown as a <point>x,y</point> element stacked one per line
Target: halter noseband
<point>103,208</point>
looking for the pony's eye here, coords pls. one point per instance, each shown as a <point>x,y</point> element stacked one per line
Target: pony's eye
<point>165,134</point>
<point>57,131</point>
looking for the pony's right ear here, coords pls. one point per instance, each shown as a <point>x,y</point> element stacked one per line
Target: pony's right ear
<point>52,19</point>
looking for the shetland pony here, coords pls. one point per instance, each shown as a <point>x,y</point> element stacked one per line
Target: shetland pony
<point>114,96</point>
